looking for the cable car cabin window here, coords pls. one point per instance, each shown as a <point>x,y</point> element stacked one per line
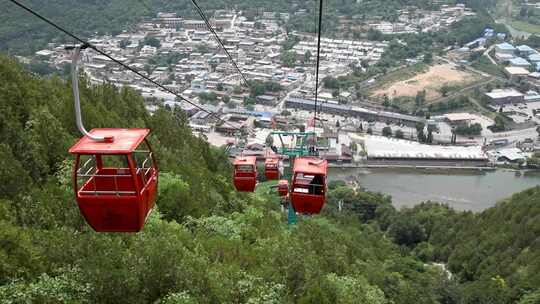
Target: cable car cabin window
<point>144,163</point>
<point>309,184</point>
<point>114,161</point>
<point>86,170</point>
<point>244,169</point>
<point>104,175</point>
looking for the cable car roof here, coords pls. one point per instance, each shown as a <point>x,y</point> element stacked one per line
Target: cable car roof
<point>271,160</point>
<point>310,165</point>
<point>124,141</point>
<point>245,160</point>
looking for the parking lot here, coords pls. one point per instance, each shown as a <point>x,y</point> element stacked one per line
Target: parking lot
<point>522,112</point>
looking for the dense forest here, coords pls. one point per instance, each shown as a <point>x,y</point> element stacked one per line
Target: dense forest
<point>205,243</point>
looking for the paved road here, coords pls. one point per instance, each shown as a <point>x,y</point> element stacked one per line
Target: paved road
<point>460,91</point>
<point>486,53</point>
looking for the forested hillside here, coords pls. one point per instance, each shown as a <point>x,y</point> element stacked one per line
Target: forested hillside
<point>206,243</point>
<point>495,254</point>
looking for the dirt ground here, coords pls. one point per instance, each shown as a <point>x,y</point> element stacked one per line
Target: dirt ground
<point>431,81</point>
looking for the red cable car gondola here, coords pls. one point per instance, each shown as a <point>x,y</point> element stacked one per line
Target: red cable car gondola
<point>115,181</point>
<point>115,175</point>
<point>245,173</point>
<point>283,187</point>
<point>308,191</point>
<point>271,168</point>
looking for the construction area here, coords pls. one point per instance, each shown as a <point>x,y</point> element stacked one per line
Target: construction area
<point>431,81</point>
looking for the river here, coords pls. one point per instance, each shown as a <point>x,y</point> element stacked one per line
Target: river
<point>463,190</point>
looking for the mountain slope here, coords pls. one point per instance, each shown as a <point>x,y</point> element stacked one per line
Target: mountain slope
<point>205,243</point>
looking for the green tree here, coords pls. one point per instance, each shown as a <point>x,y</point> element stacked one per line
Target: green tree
<point>374,34</point>
<point>152,41</point>
<point>330,82</point>
<point>406,231</point>
<point>428,58</point>
<point>420,98</point>
<point>445,89</point>
<point>531,298</point>
<point>500,124</point>
<point>307,56</point>
<point>420,131</point>
<point>14,179</point>
<point>288,59</point>
<point>386,101</point>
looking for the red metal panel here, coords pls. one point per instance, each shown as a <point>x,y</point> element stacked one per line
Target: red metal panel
<point>283,187</point>
<point>310,165</point>
<point>271,168</point>
<point>245,160</point>
<point>245,184</point>
<point>112,213</point>
<point>124,141</point>
<point>245,180</point>
<point>308,194</point>
<point>307,203</point>
<point>117,199</point>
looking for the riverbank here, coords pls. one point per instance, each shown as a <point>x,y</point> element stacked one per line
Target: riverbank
<point>409,166</point>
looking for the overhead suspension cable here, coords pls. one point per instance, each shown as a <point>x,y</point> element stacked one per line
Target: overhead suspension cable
<point>216,36</point>
<point>318,61</point>
<point>93,47</point>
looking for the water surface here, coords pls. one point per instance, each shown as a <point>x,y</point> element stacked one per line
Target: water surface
<point>461,189</point>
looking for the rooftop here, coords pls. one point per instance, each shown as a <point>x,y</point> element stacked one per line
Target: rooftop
<point>516,71</point>
<point>534,57</point>
<point>501,93</point>
<point>518,61</point>
<point>383,147</point>
<point>459,116</point>
<point>124,141</point>
<point>506,46</point>
<point>245,160</point>
<point>310,165</point>
<point>525,48</point>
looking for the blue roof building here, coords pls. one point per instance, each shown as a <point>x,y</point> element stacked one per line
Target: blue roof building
<point>534,57</point>
<point>519,62</point>
<point>505,47</point>
<point>525,50</point>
